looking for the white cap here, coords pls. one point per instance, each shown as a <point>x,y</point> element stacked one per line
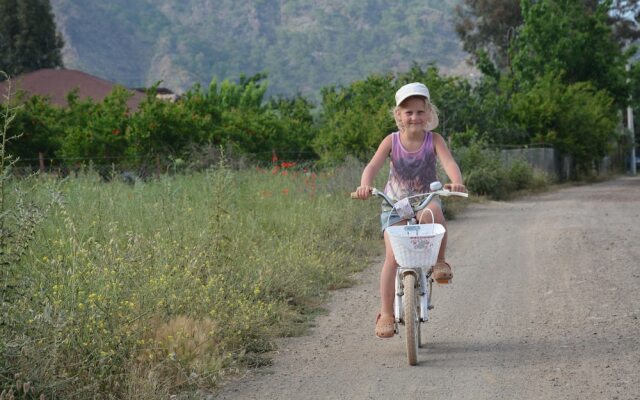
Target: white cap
<point>411,89</point>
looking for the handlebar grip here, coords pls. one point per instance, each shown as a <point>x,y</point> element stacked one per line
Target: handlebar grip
<point>373,191</point>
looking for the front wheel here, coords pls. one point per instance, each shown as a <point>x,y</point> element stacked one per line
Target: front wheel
<point>411,322</point>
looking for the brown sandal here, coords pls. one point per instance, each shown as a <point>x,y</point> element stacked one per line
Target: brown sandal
<point>385,326</point>
<point>442,272</point>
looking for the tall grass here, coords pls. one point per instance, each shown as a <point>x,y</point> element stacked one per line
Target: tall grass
<point>165,287</point>
<point>162,288</point>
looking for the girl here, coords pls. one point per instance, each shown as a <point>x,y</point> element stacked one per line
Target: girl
<point>413,150</point>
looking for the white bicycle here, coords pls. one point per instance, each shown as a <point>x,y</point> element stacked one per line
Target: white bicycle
<point>416,248</point>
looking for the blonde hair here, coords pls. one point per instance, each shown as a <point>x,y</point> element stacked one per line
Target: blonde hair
<point>429,106</point>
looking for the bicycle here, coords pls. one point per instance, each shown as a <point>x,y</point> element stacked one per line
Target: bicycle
<point>416,251</point>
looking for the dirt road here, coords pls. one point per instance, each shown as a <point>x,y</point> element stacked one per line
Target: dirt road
<point>545,304</point>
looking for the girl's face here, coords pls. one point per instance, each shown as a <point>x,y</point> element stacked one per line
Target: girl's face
<point>413,114</point>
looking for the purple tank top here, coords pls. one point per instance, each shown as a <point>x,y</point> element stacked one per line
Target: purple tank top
<point>410,172</point>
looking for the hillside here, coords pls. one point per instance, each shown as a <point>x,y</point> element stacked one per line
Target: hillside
<point>301,45</point>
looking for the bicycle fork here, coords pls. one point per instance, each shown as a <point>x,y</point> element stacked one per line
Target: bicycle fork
<point>423,290</point>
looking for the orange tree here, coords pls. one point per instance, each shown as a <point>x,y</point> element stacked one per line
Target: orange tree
<point>96,130</point>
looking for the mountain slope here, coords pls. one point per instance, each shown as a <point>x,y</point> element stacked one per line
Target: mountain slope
<point>301,45</point>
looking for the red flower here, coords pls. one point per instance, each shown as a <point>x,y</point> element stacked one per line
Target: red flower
<point>116,131</point>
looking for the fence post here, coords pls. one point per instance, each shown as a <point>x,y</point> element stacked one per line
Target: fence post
<point>41,160</point>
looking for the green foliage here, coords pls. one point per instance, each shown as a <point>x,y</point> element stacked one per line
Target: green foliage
<point>96,130</point>
<point>28,37</point>
<point>494,119</point>
<point>576,119</point>
<point>483,171</point>
<point>20,214</point>
<point>162,288</point>
<point>163,128</point>
<point>233,115</point>
<point>355,118</point>
<point>298,127</point>
<point>240,117</point>
<point>568,38</point>
<point>521,175</point>
<point>40,127</point>
<point>485,174</point>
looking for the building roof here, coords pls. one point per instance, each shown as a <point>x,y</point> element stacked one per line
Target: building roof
<point>57,83</point>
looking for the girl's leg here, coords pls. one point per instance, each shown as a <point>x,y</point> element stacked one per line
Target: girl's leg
<point>442,270</point>
<point>385,323</point>
<point>425,218</point>
<point>387,279</point>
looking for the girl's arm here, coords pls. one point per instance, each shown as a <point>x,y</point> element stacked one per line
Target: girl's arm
<point>372,169</point>
<point>448,164</point>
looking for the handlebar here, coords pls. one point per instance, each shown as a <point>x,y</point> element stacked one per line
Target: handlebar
<point>423,203</point>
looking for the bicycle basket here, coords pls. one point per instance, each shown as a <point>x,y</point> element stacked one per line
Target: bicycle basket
<point>416,245</point>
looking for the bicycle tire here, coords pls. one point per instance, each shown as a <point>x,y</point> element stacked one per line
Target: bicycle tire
<point>411,321</point>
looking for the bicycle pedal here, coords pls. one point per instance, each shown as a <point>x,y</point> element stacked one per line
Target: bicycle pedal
<point>443,281</point>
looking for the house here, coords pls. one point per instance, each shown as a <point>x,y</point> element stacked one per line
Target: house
<point>57,83</point>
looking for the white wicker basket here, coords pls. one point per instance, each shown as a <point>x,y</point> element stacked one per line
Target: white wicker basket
<point>416,245</point>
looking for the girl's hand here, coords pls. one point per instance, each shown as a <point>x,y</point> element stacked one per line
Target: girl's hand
<point>455,187</point>
<point>364,192</point>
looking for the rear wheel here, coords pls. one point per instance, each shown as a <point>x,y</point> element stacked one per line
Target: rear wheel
<point>411,322</point>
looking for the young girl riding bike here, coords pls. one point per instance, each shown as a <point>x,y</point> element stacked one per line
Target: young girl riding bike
<point>413,151</point>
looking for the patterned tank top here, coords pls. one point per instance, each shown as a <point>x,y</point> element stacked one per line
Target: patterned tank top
<point>410,172</point>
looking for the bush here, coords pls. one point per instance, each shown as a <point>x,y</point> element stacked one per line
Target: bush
<point>520,174</point>
<point>483,171</point>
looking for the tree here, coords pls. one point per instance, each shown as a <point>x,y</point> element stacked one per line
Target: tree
<point>572,40</point>
<point>624,17</point>
<point>28,37</point>
<point>355,118</point>
<point>577,119</point>
<point>40,128</point>
<point>487,27</point>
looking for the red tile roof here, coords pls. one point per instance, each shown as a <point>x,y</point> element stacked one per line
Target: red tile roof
<point>57,83</point>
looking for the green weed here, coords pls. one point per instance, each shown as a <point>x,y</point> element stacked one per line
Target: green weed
<point>165,287</point>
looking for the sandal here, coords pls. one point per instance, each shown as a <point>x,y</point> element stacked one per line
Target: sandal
<point>442,272</point>
<point>385,326</point>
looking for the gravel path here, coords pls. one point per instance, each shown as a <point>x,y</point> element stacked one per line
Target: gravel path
<point>544,305</point>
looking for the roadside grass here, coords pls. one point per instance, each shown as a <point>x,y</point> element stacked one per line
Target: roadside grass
<point>165,287</point>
